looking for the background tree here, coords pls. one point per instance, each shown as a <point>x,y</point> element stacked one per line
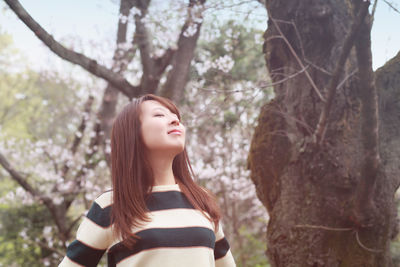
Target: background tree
<point>319,166</point>
<point>152,68</point>
<point>62,160</point>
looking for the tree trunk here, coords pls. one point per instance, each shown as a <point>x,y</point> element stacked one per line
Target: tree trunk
<point>329,197</point>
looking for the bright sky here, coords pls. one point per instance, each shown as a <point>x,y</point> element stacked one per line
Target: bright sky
<point>95,22</point>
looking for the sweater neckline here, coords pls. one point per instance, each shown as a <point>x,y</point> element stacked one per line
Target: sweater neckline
<point>168,187</point>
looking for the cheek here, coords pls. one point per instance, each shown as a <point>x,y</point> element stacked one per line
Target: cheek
<point>152,132</point>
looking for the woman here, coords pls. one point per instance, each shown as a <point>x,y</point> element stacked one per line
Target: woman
<point>156,215</point>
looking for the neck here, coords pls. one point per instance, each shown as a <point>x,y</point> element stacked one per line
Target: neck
<point>162,170</point>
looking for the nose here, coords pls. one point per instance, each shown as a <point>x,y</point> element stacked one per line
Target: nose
<point>174,121</point>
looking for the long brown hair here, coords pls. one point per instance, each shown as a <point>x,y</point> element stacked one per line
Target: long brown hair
<point>132,176</point>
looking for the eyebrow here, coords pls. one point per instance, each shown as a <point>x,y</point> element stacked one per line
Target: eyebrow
<point>165,109</point>
<point>162,108</point>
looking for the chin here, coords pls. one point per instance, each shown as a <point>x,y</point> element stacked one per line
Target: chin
<point>169,149</point>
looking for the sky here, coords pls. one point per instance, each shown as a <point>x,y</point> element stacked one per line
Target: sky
<point>95,22</point>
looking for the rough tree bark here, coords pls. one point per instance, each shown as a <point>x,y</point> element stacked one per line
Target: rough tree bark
<point>319,167</point>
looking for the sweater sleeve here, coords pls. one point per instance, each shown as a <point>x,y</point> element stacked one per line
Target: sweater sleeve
<point>222,253</point>
<point>93,236</point>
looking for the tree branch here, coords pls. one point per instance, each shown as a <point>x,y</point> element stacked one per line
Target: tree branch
<point>373,11</point>
<point>177,77</point>
<point>153,68</point>
<point>142,38</point>
<point>78,137</point>
<point>77,58</point>
<point>314,86</point>
<point>82,126</point>
<point>163,61</point>
<point>391,6</point>
<point>16,176</point>
<point>369,126</point>
<point>334,81</point>
<point>20,179</point>
<point>121,59</point>
<point>74,222</point>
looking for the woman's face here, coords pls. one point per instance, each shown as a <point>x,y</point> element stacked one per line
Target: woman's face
<point>161,129</point>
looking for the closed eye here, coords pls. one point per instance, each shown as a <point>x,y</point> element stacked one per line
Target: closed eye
<point>159,115</point>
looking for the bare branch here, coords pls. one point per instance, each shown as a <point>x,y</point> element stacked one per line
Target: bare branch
<point>77,58</point>
<point>338,230</point>
<point>322,227</point>
<point>314,86</point>
<point>366,248</point>
<point>301,46</point>
<point>391,6</point>
<point>334,81</point>
<point>346,78</point>
<point>261,84</point>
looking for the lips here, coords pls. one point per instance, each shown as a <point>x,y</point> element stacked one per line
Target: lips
<point>175,131</point>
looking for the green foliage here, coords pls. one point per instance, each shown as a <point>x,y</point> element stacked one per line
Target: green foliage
<point>33,105</point>
<point>237,41</point>
<point>6,49</point>
<point>221,107</point>
<point>395,251</point>
<point>21,229</point>
<point>252,252</point>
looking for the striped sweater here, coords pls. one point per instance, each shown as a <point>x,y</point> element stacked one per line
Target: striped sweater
<point>176,236</point>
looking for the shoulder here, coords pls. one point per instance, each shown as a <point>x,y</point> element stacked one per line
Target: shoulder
<point>105,199</point>
<point>100,211</point>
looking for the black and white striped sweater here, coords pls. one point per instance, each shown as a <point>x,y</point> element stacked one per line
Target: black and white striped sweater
<point>177,236</point>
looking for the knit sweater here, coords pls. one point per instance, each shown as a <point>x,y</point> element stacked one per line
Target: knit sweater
<point>177,235</point>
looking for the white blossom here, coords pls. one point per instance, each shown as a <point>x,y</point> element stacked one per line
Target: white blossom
<point>191,30</point>
<point>124,46</point>
<point>23,233</point>
<point>20,96</point>
<point>224,63</point>
<point>47,230</point>
<point>135,11</point>
<point>58,200</point>
<point>123,19</point>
